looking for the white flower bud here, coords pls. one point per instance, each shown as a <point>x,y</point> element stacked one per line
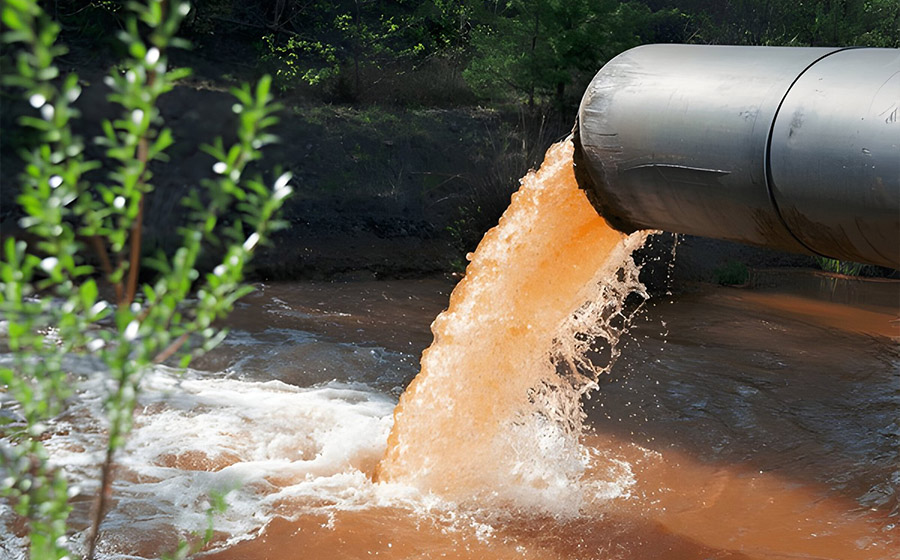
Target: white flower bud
<point>152,56</point>
<point>96,344</point>
<point>49,264</point>
<point>282,192</point>
<point>251,241</point>
<point>282,181</point>
<point>131,331</point>
<point>98,308</point>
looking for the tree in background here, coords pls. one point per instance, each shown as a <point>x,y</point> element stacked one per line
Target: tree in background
<point>873,23</point>
<point>543,49</point>
<point>335,43</point>
<point>528,51</point>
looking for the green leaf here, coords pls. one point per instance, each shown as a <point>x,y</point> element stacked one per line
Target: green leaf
<point>137,49</point>
<point>88,293</point>
<point>262,90</point>
<point>162,142</point>
<point>11,18</point>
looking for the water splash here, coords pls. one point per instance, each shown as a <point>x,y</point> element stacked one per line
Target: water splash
<point>494,417</point>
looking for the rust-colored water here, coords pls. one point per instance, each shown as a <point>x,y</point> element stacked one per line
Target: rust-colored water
<point>487,419</point>
<point>735,425</point>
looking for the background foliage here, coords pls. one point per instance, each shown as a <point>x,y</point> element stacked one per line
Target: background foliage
<point>529,51</point>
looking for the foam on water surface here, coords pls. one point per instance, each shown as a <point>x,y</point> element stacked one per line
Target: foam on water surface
<point>277,449</point>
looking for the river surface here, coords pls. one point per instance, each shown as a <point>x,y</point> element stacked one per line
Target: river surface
<point>737,423</point>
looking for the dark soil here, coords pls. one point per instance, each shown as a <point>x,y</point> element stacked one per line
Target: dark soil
<point>381,190</point>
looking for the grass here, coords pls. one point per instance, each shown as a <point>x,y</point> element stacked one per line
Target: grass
<point>732,273</point>
<point>847,268</point>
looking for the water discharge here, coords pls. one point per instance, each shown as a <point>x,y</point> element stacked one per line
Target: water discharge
<point>495,413</point>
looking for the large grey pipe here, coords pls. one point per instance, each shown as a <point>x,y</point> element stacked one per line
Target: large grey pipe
<point>795,149</point>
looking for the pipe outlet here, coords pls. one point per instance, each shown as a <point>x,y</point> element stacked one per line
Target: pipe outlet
<point>795,149</point>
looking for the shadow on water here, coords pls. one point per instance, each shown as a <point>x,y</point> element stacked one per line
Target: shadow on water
<point>764,421</point>
<point>754,378</point>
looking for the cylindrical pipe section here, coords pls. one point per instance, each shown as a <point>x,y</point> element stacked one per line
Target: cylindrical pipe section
<point>795,149</point>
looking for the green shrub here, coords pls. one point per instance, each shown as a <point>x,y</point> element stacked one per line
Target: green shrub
<point>731,273</point>
<point>50,293</point>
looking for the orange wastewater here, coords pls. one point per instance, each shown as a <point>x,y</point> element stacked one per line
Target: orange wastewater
<point>489,418</point>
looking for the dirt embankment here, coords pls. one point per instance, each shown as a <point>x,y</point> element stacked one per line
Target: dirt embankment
<point>379,190</point>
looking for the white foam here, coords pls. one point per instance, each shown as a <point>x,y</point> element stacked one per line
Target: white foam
<point>268,443</point>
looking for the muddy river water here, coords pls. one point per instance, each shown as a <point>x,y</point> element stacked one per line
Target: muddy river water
<point>758,423</point>
<point>736,424</point>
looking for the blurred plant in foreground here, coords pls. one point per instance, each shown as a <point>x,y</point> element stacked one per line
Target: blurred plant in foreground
<point>50,293</point>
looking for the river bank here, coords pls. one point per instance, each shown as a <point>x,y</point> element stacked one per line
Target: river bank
<point>381,190</point>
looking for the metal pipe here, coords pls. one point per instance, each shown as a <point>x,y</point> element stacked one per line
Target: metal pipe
<point>796,149</point>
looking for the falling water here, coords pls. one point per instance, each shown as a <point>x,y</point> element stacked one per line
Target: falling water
<point>494,416</point>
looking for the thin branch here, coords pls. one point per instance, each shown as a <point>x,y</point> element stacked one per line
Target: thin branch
<point>106,265</point>
<point>171,349</point>
<point>106,480</point>
<point>137,228</point>
<point>135,251</point>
